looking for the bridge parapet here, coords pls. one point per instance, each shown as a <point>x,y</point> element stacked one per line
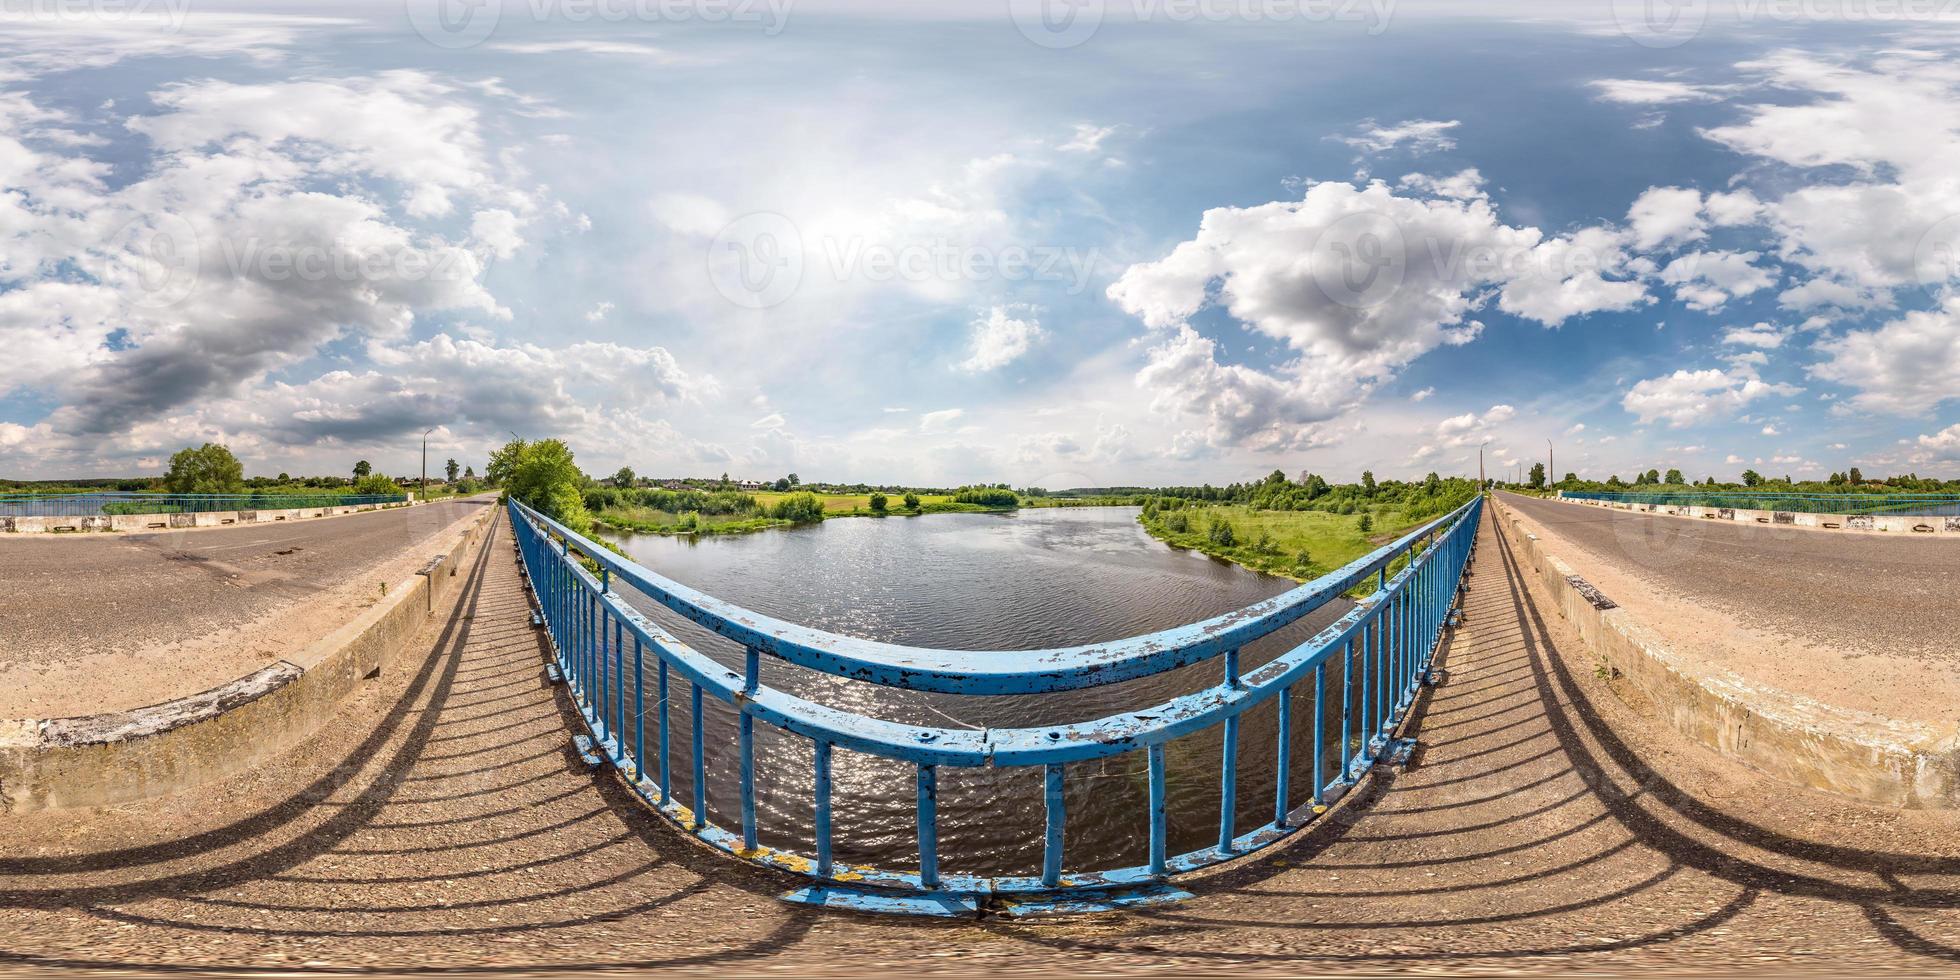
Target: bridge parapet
<point>621,666</point>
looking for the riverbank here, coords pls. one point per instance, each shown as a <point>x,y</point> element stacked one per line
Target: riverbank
<point>691,523</point>
<point>1296,544</point>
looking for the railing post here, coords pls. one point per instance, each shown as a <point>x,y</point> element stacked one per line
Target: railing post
<point>1283,767</point>
<point>750,678</point>
<point>928,826</point>
<point>639,714</point>
<point>1158,817</point>
<point>666,781</point>
<point>700,763</point>
<point>821,762</point>
<point>1051,851</point>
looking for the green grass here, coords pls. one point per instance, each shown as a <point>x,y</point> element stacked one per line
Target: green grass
<point>646,520</point>
<point>1295,544</point>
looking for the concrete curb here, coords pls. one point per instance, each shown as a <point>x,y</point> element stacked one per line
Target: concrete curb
<point>104,523</point>
<point>1791,737</point>
<point>1866,523</point>
<point>103,760</point>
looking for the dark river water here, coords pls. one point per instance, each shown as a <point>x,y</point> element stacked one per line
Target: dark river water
<point>1031,579</point>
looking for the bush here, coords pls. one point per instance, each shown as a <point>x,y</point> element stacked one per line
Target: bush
<point>1365,524</point>
<point>1222,535</point>
<point>1177,523</point>
<point>374,484</point>
<point>878,502</point>
<point>800,508</point>
<point>911,501</point>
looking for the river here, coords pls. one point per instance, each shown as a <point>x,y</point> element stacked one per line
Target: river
<point>1029,579</point>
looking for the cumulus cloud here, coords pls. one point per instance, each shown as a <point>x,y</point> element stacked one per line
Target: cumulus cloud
<point>1687,397</point>
<point>1357,281</point>
<point>1000,338</point>
<point>1640,91</point>
<point>1708,280</point>
<point>1907,366</point>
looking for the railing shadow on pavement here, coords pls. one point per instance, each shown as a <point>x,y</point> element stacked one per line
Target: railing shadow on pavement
<point>1645,810</point>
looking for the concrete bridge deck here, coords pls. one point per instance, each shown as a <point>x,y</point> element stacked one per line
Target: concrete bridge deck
<point>100,622</point>
<point>1858,620</point>
<point>442,823</point>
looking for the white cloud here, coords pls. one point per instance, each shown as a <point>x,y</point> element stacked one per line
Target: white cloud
<point>1308,273</point>
<point>1421,395</point>
<point>941,420</point>
<point>1708,280</point>
<point>1087,139</point>
<point>1764,335</point>
<point>599,312</point>
<point>1420,136</point>
<point>1638,91</point>
<point>1463,185</point>
<point>1000,338</point>
<point>1687,397</point>
<point>1666,216</point>
<point>1907,366</point>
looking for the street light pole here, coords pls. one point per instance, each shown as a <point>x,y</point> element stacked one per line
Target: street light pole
<point>1480,464</point>
<point>1551,464</point>
<point>425,461</point>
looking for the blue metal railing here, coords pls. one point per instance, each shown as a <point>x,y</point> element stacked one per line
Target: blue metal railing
<point>1897,504</point>
<point>608,653</point>
<point>96,504</point>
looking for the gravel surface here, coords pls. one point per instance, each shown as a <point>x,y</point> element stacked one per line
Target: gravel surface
<point>108,622</point>
<point>442,824</point>
<point>1858,620</point>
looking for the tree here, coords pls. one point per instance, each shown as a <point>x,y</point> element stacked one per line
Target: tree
<point>1222,535</point>
<point>362,469</point>
<point>1432,484</point>
<point>1276,477</point>
<point>283,478</point>
<point>1367,522</point>
<point>1570,477</point>
<point>375,485</point>
<point>503,462</point>
<point>210,468</point>
<point>878,502</point>
<point>623,478</point>
<point>1751,478</point>
<point>792,478</point>
<point>1367,483</point>
<point>469,472</point>
<point>543,476</point>
<point>782,484</point>
<point>1673,478</point>
<point>1537,476</point>
<point>1653,477</point>
<point>911,501</point>
<point>1855,476</point>
<point>450,469</point>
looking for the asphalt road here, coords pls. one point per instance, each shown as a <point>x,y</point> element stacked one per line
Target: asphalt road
<point>1857,591</point>
<point>75,597</point>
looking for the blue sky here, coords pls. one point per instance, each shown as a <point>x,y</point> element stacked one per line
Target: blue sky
<point>1162,242</point>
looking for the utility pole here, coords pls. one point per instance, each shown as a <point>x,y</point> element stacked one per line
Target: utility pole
<point>425,461</point>
<point>1550,465</point>
<point>1480,464</point>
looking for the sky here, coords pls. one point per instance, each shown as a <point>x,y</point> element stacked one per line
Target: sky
<point>1046,242</point>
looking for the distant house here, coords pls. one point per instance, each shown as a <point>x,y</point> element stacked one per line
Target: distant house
<point>749,485</point>
<point>672,485</point>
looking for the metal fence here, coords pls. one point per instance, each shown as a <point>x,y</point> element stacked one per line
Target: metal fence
<point>622,667</point>
<point>96,504</point>
<point>1898,504</point>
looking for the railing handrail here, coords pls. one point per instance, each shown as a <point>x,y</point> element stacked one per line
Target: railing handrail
<point>995,672</point>
<point>1914,495</point>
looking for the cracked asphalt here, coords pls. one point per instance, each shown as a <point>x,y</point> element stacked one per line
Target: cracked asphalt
<point>443,824</point>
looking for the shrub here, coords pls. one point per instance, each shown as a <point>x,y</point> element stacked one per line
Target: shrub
<point>1365,524</point>
<point>878,502</point>
<point>1222,535</point>
<point>987,497</point>
<point>375,484</point>
<point>911,501</point>
<point>800,508</point>
<point>1177,523</point>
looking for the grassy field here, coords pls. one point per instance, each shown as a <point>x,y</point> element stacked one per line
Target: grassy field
<point>649,520</point>
<point>859,504</point>
<point>1295,544</point>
